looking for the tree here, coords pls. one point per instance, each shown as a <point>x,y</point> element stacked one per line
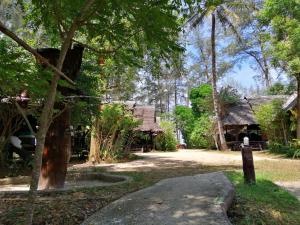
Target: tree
<point>254,42</point>
<point>224,12</point>
<point>283,17</point>
<point>279,88</point>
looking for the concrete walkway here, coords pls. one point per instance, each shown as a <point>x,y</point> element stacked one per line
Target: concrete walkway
<point>292,187</point>
<point>202,199</point>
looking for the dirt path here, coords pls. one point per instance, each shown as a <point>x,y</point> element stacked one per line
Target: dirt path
<point>182,158</point>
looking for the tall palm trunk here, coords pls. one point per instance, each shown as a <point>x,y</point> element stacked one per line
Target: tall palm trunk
<point>298,107</point>
<point>223,145</point>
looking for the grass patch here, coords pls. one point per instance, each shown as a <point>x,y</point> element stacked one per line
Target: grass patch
<point>278,170</point>
<point>264,203</point>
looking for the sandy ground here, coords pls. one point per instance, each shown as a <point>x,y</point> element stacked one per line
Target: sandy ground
<point>181,158</point>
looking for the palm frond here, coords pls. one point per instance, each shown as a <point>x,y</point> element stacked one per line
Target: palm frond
<point>197,18</point>
<point>224,15</point>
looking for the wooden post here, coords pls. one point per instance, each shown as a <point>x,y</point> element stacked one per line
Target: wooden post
<point>248,165</point>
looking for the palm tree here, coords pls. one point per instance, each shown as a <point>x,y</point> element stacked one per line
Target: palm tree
<point>225,12</point>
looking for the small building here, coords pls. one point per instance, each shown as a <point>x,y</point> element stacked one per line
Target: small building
<point>148,128</point>
<point>239,121</point>
<point>147,115</point>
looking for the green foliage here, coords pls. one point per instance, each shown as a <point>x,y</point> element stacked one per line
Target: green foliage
<point>116,125</point>
<point>18,71</point>
<point>284,18</point>
<point>196,124</point>
<point>201,99</point>
<point>295,146</point>
<point>229,96</point>
<point>282,149</point>
<point>291,150</point>
<point>166,141</point>
<point>281,89</point>
<point>272,119</point>
<point>185,121</point>
<point>202,134</point>
<point>196,131</point>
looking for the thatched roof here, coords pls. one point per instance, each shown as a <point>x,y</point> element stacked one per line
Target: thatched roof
<point>240,114</point>
<point>147,115</point>
<point>291,102</point>
<point>243,114</point>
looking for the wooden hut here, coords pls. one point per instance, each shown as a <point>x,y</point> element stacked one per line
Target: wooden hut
<point>148,128</point>
<point>239,121</point>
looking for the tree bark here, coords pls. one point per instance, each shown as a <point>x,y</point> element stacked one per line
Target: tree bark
<point>175,103</point>
<point>223,144</point>
<point>56,153</point>
<point>58,140</point>
<point>94,155</point>
<point>298,107</point>
<point>266,70</point>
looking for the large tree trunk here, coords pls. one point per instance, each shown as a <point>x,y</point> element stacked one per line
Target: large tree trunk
<point>223,144</point>
<point>58,140</point>
<point>56,153</point>
<point>298,107</point>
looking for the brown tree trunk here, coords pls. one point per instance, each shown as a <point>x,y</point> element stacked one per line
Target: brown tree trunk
<point>58,140</point>
<point>223,144</point>
<point>298,107</point>
<point>94,155</point>
<point>56,153</point>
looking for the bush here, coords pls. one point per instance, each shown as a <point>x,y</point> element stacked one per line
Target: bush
<point>272,119</point>
<point>166,141</point>
<point>185,120</point>
<point>114,131</point>
<point>202,135</point>
<point>291,151</point>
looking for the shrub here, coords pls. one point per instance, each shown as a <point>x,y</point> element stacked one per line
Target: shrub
<point>272,119</point>
<point>114,130</point>
<point>291,151</point>
<point>185,120</point>
<point>202,135</point>
<point>166,141</point>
